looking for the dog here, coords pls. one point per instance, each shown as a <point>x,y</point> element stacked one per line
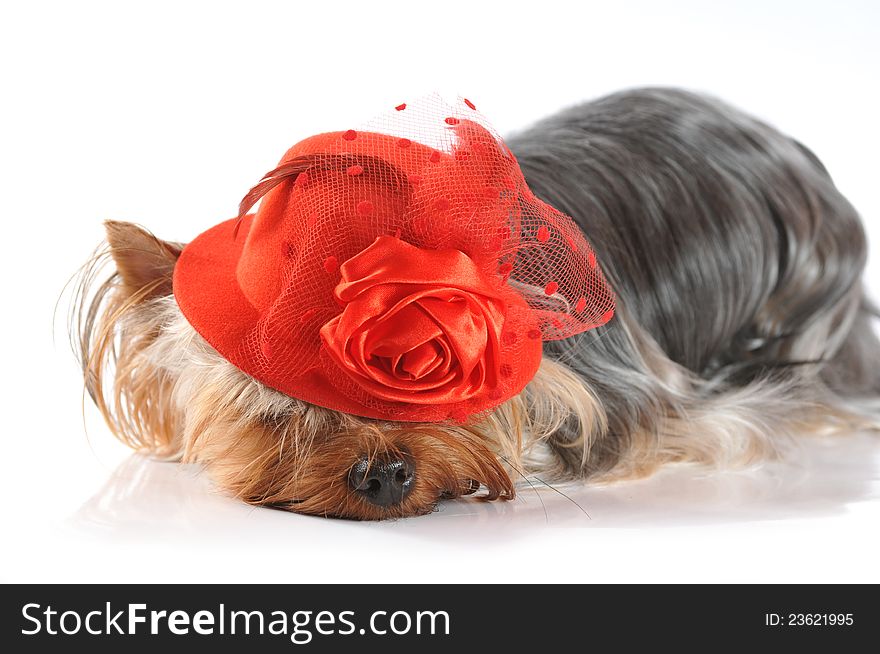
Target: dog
<point>739,325</point>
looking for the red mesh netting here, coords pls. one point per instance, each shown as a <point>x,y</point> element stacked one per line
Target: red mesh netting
<point>402,270</point>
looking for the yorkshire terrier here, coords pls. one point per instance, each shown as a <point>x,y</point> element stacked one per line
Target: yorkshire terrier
<point>418,311</point>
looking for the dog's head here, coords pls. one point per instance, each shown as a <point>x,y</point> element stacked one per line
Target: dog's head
<point>367,342</point>
<point>163,389</point>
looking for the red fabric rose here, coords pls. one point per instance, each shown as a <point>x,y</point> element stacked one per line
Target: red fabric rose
<point>418,326</point>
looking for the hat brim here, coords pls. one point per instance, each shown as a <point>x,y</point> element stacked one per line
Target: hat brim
<point>206,288</point>
<point>209,296</point>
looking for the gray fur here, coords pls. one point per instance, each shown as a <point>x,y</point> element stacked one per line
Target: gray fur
<point>729,248</point>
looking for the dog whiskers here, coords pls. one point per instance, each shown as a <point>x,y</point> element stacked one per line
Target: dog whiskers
<point>531,485</point>
<point>556,490</point>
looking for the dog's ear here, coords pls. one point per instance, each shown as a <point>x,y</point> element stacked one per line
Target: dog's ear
<point>144,262</point>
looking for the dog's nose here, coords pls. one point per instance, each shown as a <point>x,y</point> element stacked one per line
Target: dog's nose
<point>384,480</point>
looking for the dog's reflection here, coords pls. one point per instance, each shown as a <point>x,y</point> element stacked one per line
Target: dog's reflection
<point>146,494</point>
<point>143,496</point>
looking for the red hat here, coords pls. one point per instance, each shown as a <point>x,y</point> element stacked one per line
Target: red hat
<point>403,272</point>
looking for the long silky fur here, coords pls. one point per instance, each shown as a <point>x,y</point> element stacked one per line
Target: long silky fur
<point>741,325</point>
<point>737,265</point>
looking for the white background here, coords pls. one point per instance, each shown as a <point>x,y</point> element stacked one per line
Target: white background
<point>165,114</point>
